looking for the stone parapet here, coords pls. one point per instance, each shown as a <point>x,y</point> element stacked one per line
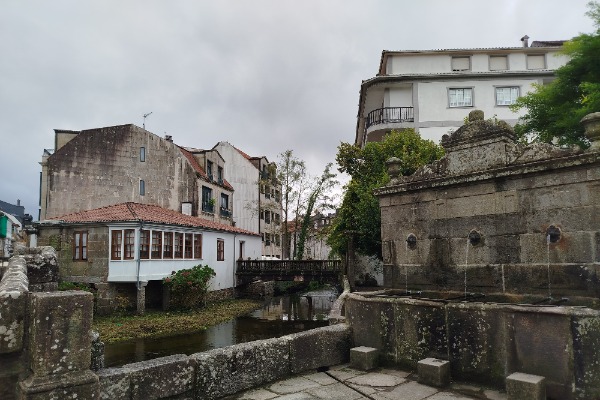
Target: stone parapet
<point>13,304</point>
<point>223,372</point>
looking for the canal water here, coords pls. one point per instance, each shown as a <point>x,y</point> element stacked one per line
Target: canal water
<point>279,316</point>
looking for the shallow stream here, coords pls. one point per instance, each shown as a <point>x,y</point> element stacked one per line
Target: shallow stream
<point>279,316</point>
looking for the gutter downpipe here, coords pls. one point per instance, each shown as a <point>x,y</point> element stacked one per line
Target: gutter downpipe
<point>139,254</point>
<point>233,283</point>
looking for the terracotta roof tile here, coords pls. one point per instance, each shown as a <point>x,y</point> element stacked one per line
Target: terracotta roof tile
<point>133,212</point>
<point>246,156</point>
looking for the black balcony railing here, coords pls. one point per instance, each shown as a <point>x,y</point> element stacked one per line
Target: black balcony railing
<point>390,114</point>
<point>208,208</point>
<point>225,212</point>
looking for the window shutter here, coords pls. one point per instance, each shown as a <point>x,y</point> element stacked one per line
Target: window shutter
<point>498,63</point>
<point>461,64</point>
<point>536,62</point>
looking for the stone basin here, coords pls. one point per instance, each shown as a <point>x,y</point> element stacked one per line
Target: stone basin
<point>484,341</point>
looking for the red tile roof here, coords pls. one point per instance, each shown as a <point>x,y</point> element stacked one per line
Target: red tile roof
<point>136,212</point>
<point>199,169</point>
<point>246,156</point>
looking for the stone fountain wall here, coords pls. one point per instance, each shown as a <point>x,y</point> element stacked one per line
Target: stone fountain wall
<point>508,193</point>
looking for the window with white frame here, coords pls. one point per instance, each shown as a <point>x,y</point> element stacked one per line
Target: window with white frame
<point>505,96</point>
<point>460,97</point>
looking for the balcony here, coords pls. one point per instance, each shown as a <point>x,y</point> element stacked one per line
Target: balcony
<point>225,213</point>
<point>388,115</point>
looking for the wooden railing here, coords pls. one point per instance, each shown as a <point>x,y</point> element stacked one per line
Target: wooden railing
<point>289,267</point>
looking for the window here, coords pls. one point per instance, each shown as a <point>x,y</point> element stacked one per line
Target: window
<point>461,63</point>
<point>188,250</point>
<point>220,175</point>
<point>80,239</point>
<point>268,217</point>
<point>498,63</point>
<point>129,249</point>
<point>116,244</point>
<point>267,192</point>
<point>142,187</point>
<point>536,61</point>
<point>241,257</point>
<point>220,250</point>
<point>168,245</point>
<point>277,240</point>
<point>209,169</point>
<point>142,154</point>
<point>460,97</point>
<point>207,200</point>
<point>144,244</point>
<point>225,205</point>
<point>505,96</point>
<point>198,246</point>
<point>178,245</point>
<point>156,244</point>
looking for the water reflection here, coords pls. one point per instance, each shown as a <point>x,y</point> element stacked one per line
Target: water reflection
<point>278,317</point>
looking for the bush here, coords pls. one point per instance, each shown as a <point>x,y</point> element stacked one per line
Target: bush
<point>74,286</point>
<point>188,287</point>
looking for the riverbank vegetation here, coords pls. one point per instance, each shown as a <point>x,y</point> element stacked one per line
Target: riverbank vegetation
<point>153,324</point>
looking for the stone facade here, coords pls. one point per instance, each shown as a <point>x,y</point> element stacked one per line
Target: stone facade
<point>100,167</point>
<point>105,166</point>
<point>503,216</point>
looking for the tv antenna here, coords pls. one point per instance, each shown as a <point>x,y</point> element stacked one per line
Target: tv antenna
<point>144,123</point>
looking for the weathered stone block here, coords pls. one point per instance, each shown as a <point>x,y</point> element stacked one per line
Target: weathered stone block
<point>420,330</point>
<point>320,347</point>
<point>42,264</point>
<point>70,385</point>
<point>434,372</point>
<point>59,339</point>
<point>161,377</point>
<point>364,358</point>
<point>115,383</point>
<point>12,316</point>
<point>520,386</point>
<point>221,372</point>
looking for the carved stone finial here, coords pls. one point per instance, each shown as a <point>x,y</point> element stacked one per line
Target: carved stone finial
<point>591,124</point>
<point>394,167</point>
<point>476,115</point>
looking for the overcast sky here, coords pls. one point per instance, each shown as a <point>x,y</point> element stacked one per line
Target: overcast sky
<point>264,75</point>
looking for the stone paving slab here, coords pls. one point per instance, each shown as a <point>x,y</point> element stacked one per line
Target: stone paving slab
<point>344,383</point>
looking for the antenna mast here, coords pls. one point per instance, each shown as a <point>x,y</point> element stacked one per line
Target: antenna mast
<point>144,123</point>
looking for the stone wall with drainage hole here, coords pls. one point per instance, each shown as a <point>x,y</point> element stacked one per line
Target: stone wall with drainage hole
<point>513,197</point>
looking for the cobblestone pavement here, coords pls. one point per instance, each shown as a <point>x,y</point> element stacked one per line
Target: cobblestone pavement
<point>342,382</point>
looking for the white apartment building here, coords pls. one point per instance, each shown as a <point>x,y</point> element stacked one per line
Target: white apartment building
<point>257,200</point>
<point>434,90</point>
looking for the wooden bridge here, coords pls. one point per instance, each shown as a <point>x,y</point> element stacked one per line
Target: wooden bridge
<point>289,270</point>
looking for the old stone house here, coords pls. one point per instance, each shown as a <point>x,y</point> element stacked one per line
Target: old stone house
<point>257,203</point>
<point>432,91</point>
<point>106,166</point>
<point>125,250</point>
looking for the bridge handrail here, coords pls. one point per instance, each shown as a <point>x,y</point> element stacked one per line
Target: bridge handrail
<point>288,266</point>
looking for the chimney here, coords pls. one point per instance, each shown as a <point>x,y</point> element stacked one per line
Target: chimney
<point>169,138</point>
<point>525,40</point>
<point>18,202</point>
<point>186,208</point>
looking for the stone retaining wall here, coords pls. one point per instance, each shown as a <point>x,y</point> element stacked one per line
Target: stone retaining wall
<point>13,308</point>
<point>222,372</point>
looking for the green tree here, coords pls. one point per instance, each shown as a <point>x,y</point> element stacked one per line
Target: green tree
<point>359,215</point>
<point>320,191</point>
<point>291,173</point>
<point>555,109</point>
